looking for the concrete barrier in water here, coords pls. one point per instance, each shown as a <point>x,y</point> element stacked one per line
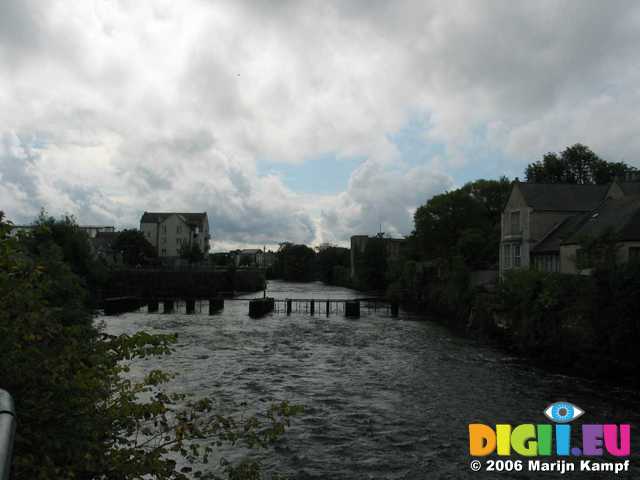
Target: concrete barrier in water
<point>259,307</point>
<point>118,305</point>
<point>215,305</point>
<point>352,309</point>
<point>190,305</point>
<point>168,306</point>
<point>153,306</point>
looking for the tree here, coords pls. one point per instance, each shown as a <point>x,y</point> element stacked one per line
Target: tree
<point>464,222</point>
<point>295,262</point>
<point>330,258</point>
<point>80,415</point>
<point>576,164</point>
<point>72,245</point>
<point>372,265</point>
<point>191,252</point>
<point>135,248</point>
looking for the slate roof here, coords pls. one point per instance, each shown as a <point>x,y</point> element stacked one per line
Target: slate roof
<point>620,214</point>
<point>159,217</point>
<point>563,197</point>
<point>551,243</point>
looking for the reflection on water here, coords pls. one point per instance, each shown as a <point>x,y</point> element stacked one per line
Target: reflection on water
<point>385,398</point>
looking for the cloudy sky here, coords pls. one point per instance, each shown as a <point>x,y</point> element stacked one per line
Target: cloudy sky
<point>302,121</point>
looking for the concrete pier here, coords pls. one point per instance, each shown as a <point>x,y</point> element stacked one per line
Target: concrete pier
<point>168,306</point>
<point>352,309</point>
<point>118,305</point>
<point>259,307</point>
<point>190,305</point>
<point>215,305</point>
<point>153,306</point>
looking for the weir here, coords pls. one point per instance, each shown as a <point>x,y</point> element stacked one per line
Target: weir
<point>258,307</point>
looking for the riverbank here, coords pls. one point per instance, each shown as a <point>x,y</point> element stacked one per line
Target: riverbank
<point>582,325</point>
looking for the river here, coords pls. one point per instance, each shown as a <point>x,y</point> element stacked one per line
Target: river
<point>385,398</point>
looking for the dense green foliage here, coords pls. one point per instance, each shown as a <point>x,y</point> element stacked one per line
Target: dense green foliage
<point>333,265</point>
<point>295,263</point>
<point>372,265</point>
<point>81,414</point>
<point>191,252</point>
<point>588,323</point>
<point>575,164</point>
<point>135,248</point>
<point>462,223</point>
<point>71,246</point>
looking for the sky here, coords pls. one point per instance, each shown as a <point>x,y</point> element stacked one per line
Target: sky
<point>301,121</point>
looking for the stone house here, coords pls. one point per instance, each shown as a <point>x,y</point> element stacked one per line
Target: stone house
<point>168,232</point>
<point>542,225</point>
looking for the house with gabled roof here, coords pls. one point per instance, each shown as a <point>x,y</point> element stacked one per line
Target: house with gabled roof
<point>543,225</point>
<point>168,232</point>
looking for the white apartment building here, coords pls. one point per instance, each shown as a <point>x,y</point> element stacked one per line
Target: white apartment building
<point>168,232</point>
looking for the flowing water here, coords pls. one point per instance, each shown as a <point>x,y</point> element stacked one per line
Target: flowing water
<point>385,398</point>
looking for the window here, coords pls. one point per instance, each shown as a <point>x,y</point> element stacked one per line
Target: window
<point>149,234</point>
<point>634,254</point>
<point>180,241</point>
<point>164,252</point>
<point>164,229</point>
<point>516,255</point>
<point>515,222</point>
<point>164,240</point>
<point>506,257</point>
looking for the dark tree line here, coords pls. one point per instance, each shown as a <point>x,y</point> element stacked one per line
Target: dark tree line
<point>576,164</point>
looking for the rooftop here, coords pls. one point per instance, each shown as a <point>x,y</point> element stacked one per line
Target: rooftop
<point>159,217</point>
<point>563,197</point>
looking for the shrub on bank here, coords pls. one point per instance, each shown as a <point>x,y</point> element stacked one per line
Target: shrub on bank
<point>79,414</point>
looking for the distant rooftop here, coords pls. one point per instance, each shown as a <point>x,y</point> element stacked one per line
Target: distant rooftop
<point>159,217</point>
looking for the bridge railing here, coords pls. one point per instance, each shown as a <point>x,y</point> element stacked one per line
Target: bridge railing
<point>7,433</point>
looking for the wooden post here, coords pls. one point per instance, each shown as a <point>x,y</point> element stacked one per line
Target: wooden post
<point>352,308</point>
<point>152,306</point>
<point>395,308</point>
<point>312,307</point>
<point>260,306</point>
<point>215,305</point>
<point>288,306</point>
<point>168,306</point>
<point>328,307</point>
<point>190,305</point>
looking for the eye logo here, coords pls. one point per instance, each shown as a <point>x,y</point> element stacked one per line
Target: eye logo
<point>563,412</point>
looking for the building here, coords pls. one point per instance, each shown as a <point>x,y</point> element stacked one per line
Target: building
<point>254,257</point>
<point>543,225</point>
<point>93,230</point>
<point>249,257</point>
<point>169,232</point>
<point>393,249</point>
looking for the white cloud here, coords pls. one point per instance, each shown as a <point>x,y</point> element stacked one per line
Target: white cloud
<point>111,108</point>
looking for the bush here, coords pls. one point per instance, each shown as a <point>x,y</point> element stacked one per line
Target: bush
<point>80,416</point>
